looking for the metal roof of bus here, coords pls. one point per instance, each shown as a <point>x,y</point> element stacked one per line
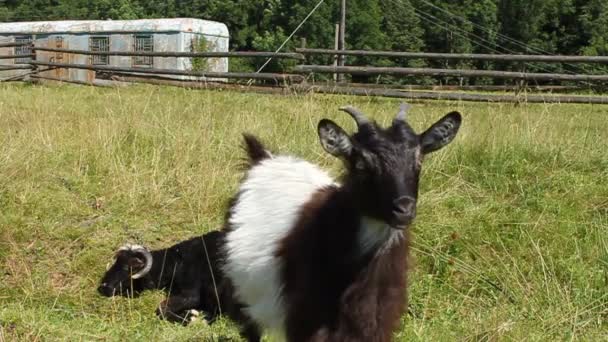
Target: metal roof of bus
<point>109,26</point>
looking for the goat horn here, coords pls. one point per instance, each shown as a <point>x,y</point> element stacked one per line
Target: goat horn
<point>403,109</point>
<point>148,256</point>
<point>359,117</point>
<point>126,247</point>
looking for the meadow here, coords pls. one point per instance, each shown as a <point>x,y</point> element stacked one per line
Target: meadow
<point>510,241</point>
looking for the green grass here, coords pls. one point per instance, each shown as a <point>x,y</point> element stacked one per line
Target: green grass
<point>511,240</point>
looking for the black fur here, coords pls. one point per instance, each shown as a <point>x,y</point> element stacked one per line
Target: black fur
<point>182,271</point>
<point>332,289</point>
<point>255,150</point>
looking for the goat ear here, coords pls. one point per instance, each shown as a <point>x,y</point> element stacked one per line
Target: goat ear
<point>136,262</point>
<point>441,132</point>
<point>333,139</point>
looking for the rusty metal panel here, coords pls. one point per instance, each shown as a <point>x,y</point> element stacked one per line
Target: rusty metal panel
<point>167,41</point>
<point>166,35</point>
<point>79,42</point>
<point>121,42</point>
<point>6,51</point>
<point>60,57</point>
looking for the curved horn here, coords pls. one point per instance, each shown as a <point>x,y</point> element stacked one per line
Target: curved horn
<point>147,256</point>
<point>126,247</point>
<point>359,117</point>
<point>401,116</point>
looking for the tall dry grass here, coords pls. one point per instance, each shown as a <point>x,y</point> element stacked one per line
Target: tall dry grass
<point>511,240</point>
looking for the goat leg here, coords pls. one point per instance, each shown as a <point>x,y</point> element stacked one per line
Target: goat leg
<point>176,308</point>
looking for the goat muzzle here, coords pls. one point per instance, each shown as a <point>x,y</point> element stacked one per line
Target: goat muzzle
<point>403,212</point>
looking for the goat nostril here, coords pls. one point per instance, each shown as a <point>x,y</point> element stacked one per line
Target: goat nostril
<point>400,208</point>
<point>404,206</point>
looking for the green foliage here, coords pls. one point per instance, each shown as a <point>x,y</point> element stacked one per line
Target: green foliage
<point>594,20</point>
<point>270,41</point>
<point>200,45</point>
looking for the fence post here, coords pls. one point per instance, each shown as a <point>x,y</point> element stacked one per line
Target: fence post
<point>521,84</point>
<point>35,68</point>
<point>342,45</point>
<point>336,47</point>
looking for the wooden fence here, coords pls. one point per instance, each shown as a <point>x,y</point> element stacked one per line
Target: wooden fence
<point>232,54</point>
<point>367,71</point>
<point>297,80</point>
<point>458,56</point>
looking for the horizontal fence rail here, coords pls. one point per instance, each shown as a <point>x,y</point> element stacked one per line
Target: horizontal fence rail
<point>468,56</point>
<point>287,55</point>
<point>65,80</point>
<point>440,87</point>
<point>21,76</point>
<point>15,66</point>
<point>233,75</point>
<point>13,44</point>
<point>369,71</point>
<point>294,81</point>
<point>16,56</point>
<point>426,95</point>
<point>160,80</point>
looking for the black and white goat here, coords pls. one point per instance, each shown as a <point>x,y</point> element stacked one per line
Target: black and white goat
<point>313,259</point>
<point>186,271</point>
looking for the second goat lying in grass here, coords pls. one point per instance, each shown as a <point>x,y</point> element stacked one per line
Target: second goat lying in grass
<point>186,271</point>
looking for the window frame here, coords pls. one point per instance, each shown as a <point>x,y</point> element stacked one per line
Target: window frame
<point>23,50</point>
<point>99,59</point>
<point>143,42</point>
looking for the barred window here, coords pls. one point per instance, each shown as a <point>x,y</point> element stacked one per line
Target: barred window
<point>23,50</point>
<point>143,43</point>
<point>99,44</point>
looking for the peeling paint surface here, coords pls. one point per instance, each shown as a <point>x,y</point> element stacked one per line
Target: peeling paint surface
<point>206,27</point>
<point>169,35</point>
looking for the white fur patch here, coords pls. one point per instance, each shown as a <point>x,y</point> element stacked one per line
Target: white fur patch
<point>376,235</point>
<point>268,207</point>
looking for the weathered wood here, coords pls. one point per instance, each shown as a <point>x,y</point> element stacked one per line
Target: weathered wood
<point>23,75</point>
<point>288,55</point>
<point>342,39</point>
<point>536,88</point>
<point>452,96</point>
<point>234,75</point>
<point>15,67</point>
<point>159,80</point>
<point>460,56</point>
<point>365,70</point>
<point>336,46</point>
<point>16,56</point>
<point>295,89</point>
<point>13,44</point>
<point>64,80</point>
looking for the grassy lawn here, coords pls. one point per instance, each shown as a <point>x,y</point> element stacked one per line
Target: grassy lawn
<point>510,243</point>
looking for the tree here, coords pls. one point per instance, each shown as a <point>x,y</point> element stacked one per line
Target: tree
<point>594,20</point>
<point>401,26</point>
